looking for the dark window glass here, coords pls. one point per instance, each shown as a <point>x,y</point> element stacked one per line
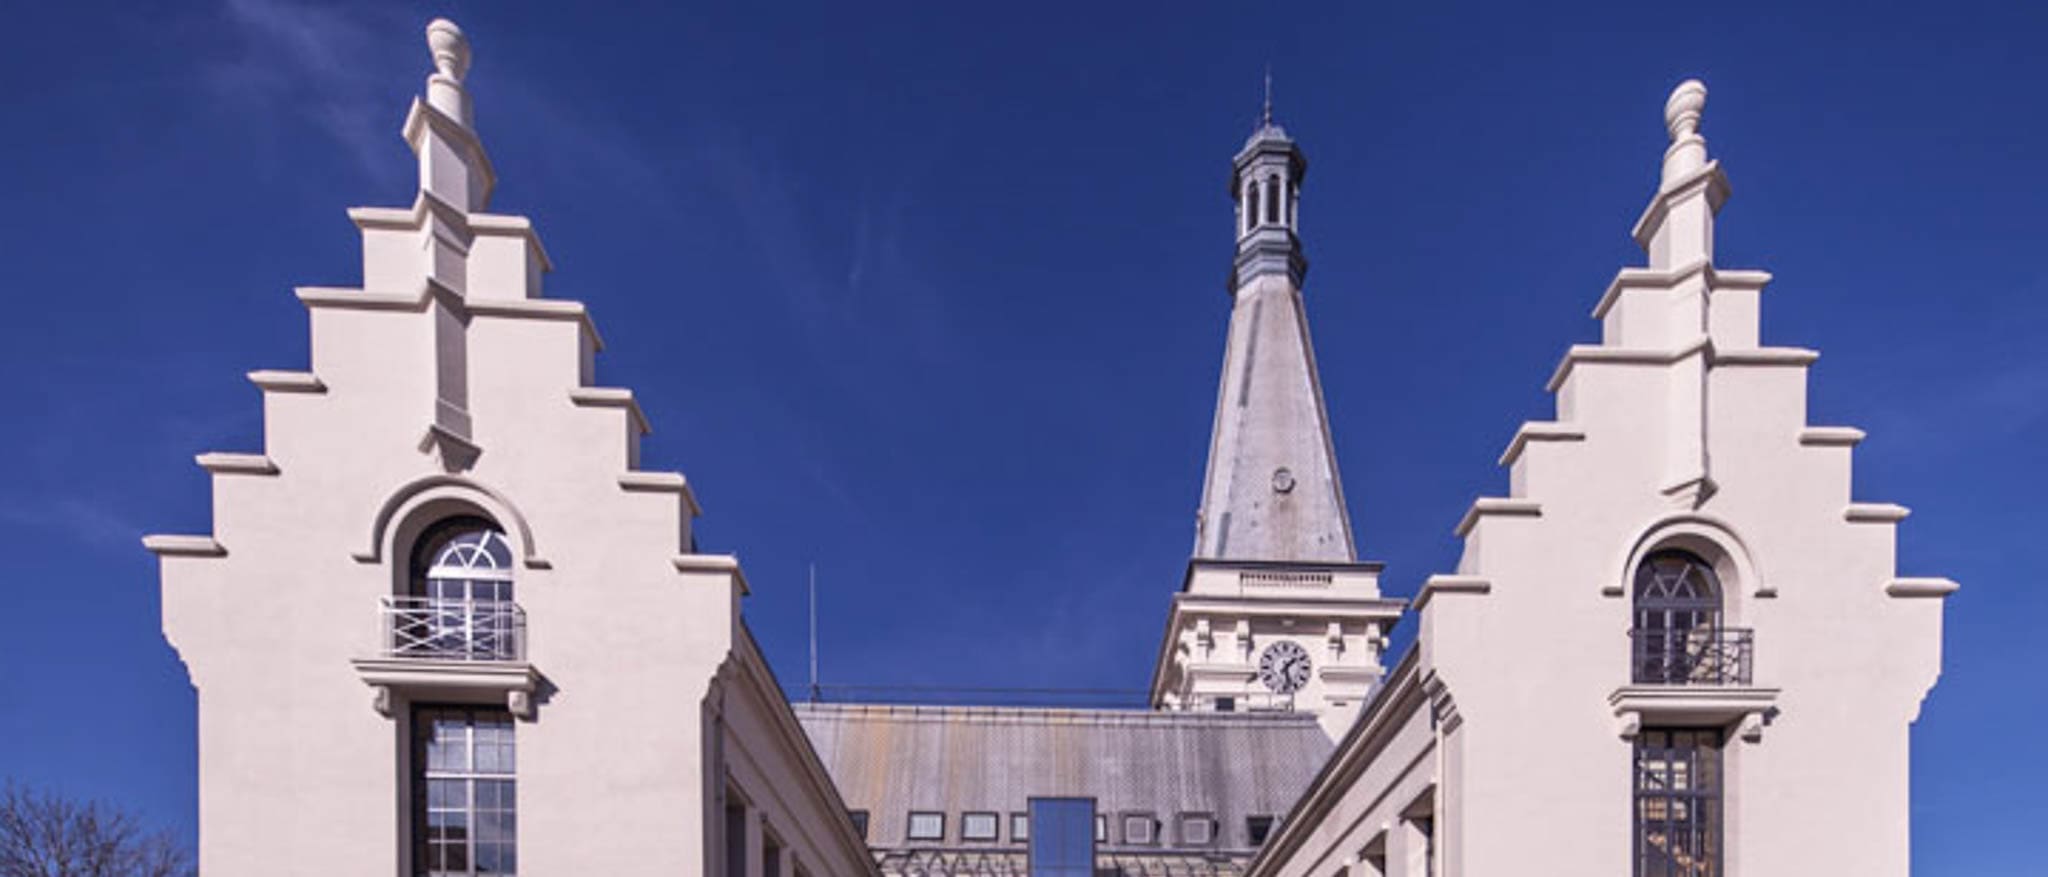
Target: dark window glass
<point>1678,803</point>
<point>735,839</point>
<point>465,811</point>
<point>860,822</point>
<point>1273,198</point>
<point>1677,638</point>
<point>771,857</point>
<point>1062,837</point>
<point>1256,828</point>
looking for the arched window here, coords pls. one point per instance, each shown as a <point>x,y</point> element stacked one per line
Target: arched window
<point>1273,198</point>
<point>463,559</point>
<point>1250,205</point>
<point>460,602</point>
<point>1678,638</point>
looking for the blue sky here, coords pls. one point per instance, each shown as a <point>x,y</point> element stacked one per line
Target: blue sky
<point>933,296</point>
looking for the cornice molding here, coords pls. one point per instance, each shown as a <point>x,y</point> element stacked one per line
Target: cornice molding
<point>1291,605</point>
<point>183,546</point>
<point>1451,584</point>
<point>1875,513</point>
<point>1703,344</point>
<point>511,225</point>
<point>1539,431</point>
<point>662,482</point>
<point>715,563</point>
<point>1921,587</point>
<point>346,298</point>
<point>1798,356</point>
<point>222,463</point>
<point>1630,355</point>
<point>539,309</point>
<point>1716,279</point>
<point>612,397</point>
<point>275,381</point>
<point>1830,436</point>
<point>1494,506</point>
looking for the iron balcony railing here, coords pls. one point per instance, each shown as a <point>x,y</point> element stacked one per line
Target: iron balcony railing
<point>1699,656</point>
<point>452,630</point>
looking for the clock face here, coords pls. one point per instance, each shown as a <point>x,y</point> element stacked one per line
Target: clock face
<point>1284,667</point>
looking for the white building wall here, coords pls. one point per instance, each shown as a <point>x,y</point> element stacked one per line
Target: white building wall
<point>448,387</point>
<point>1677,432</point>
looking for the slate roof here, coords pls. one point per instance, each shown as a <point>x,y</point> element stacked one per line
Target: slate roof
<point>890,759</point>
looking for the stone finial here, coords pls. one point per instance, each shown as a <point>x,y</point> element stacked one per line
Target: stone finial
<point>1688,150</point>
<point>449,47</point>
<point>1682,110</point>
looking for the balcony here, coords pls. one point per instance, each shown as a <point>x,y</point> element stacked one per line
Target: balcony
<point>449,651</point>
<point>1700,656</point>
<point>1701,677</point>
<point>452,630</point>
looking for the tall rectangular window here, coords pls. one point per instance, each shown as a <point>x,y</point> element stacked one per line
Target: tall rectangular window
<point>771,857</point>
<point>465,811</point>
<point>735,836</point>
<point>1678,803</point>
<point>1062,837</point>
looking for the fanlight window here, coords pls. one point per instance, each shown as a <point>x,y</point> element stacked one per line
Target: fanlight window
<point>1677,591</point>
<point>464,559</point>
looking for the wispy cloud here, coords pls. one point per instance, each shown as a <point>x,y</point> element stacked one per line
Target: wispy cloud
<point>88,523</point>
<point>328,66</point>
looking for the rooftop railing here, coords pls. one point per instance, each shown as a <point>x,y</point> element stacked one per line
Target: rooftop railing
<point>452,630</point>
<point>1699,656</point>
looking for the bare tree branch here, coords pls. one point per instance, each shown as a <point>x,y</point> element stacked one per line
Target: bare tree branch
<point>45,835</point>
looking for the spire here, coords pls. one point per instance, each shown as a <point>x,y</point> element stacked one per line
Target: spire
<point>1266,182</point>
<point>1272,491</point>
<point>1266,115</point>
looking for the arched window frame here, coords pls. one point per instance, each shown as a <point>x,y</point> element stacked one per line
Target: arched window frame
<point>1272,198</point>
<point>1675,589</point>
<point>1249,207</point>
<point>462,557</point>
<point>1735,567</point>
<point>1678,622</point>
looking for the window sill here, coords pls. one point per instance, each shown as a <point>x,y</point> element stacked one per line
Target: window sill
<point>1636,706</point>
<point>471,682</point>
